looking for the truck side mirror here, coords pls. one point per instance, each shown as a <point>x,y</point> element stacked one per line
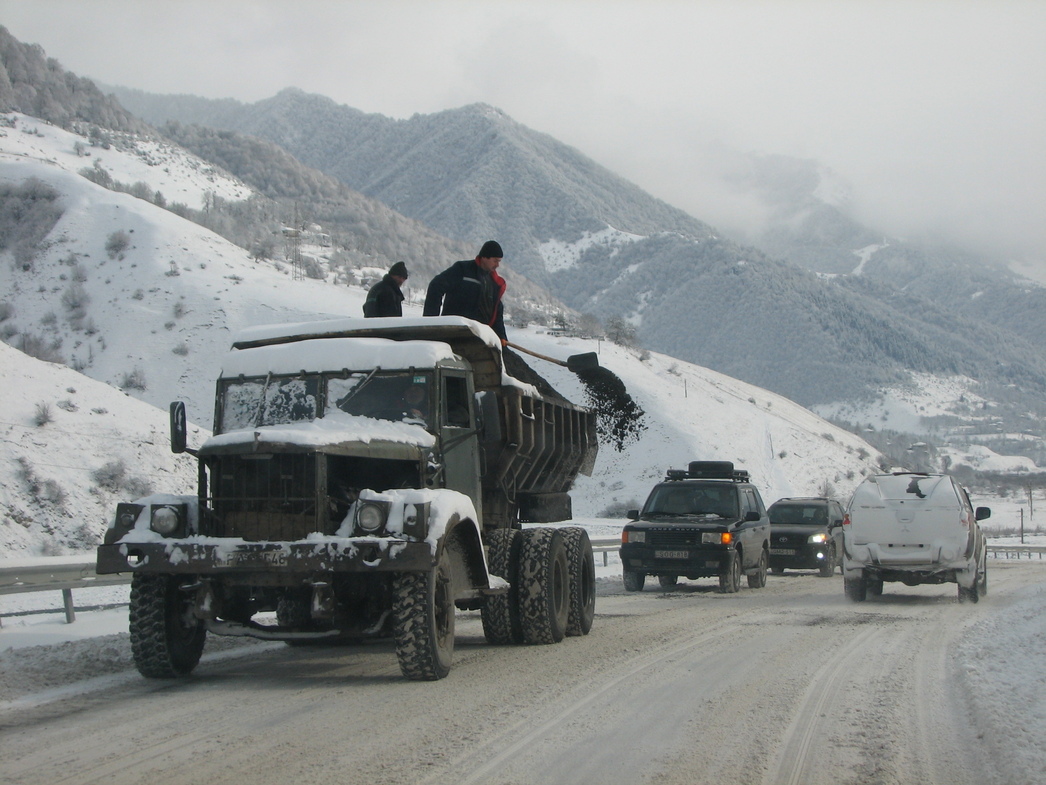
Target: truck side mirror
<point>633,514</point>
<point>982,512</point>
<point>178,427</point>
<point>752,515</point>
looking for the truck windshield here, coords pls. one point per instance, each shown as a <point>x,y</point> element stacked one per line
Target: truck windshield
<point>692,500</point>
<point>401,397</point>
<point>272,401</point>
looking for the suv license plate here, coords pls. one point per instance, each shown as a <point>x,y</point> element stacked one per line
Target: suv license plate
<point>671,554</point>
<point>782,552</point>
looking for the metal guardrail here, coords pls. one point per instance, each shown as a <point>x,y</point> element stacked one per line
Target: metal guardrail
<point>1017,551</point>
<point>57,574</point>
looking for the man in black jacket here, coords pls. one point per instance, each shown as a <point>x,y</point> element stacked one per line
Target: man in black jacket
<point>471,288</point>
<point>385,297</point>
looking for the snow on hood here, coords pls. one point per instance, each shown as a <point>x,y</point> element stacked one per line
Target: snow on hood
<point>336,427</point>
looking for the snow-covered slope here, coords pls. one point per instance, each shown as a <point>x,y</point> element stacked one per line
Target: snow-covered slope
<point>71,449</point>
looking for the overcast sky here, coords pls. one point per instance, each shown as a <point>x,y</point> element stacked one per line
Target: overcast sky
<point>934,111</point>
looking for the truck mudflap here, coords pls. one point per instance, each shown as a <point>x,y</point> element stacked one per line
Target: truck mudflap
<point>223,558</point>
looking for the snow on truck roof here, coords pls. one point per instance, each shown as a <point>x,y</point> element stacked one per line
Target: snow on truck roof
<point>334,354</point>
<point>394,342</point>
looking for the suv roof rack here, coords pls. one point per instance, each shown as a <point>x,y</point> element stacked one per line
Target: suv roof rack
<point>708,470</point>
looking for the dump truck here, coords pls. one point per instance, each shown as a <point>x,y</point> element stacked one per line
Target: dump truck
<point>364,479</point>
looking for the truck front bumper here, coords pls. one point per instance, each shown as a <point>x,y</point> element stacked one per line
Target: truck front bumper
<point>209,556</point>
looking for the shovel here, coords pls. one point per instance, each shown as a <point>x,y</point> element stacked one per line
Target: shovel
<point>575,363</point>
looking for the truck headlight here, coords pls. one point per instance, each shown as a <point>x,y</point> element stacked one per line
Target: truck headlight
<point>167,519</point>
<point>630,536</point>
<point>371,517</point>
<point>820,537</point>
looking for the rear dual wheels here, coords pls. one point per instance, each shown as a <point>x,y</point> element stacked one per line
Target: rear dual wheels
<point>544,586</point>
<point>500,612</point>
<point>582,566</point>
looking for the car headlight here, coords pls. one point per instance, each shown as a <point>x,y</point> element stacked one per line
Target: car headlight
<point>165,519</point>
<point>717,538</point>
<point>631,536</point>
<point>370,518</point>
<point>820,537</point>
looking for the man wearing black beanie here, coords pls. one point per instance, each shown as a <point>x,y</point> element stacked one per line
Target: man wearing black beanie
<point>471,288</point>
<point>385,298</point>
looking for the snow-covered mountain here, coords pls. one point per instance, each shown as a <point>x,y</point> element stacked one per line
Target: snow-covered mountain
<point>155,318</point>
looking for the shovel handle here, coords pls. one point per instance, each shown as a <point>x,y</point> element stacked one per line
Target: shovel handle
<point>535,354</point>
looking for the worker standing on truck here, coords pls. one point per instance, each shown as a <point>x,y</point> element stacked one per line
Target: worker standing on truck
<point>385,298</point>
<point>471,288</point>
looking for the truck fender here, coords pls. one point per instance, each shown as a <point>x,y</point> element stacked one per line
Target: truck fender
<point>462,541</point>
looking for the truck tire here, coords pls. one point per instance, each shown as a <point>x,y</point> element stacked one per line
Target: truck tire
<point>423,618</point>
<point>730,575</point>
<point>875,586</point>
<point>856,589</point>
<point>668,581</point>
<point>757,579</point>
<point>544,586</point>
<point>582,567</point>
<point>166,638</point>
<point>500,612</point>
<point>634,580</point>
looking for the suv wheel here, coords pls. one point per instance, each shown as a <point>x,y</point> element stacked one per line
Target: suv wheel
<point>667,581</point>
<point>828,565</point>
<point>856,589</point>
<point>730,575</point>
<point>634,580</point>
<point>757,579</point>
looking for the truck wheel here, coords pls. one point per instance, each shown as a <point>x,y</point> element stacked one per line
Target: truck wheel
<point>544,586</point>
<point>634,580</point>
<point>875,586</point>
<point>827,568</point>
<point>730,575</point>
<point>500,612</point>
<point>757,580</point>
<point>582,568</point>
<point>984,575</point>
<point>423,617</point>
<point>668,581</point>
<point>166,638</point>
<point>856,589</point>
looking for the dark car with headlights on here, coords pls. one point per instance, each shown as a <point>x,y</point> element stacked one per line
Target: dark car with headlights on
<point>707,520</point>
<point>807,534</point>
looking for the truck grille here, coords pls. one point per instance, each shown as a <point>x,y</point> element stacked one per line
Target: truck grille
<point>263,499</point>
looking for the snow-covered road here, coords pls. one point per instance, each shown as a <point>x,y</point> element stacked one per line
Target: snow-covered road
<point>787,684</point>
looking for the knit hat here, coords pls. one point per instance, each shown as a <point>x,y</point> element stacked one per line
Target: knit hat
<point>399,269</point>
<point>490,250</point>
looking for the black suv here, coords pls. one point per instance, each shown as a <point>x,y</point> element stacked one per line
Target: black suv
<point>807,534</point>
<point>703,521</point>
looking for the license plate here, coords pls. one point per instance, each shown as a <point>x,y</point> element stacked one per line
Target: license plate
<point>782,552</point>
<point>671,554</point>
